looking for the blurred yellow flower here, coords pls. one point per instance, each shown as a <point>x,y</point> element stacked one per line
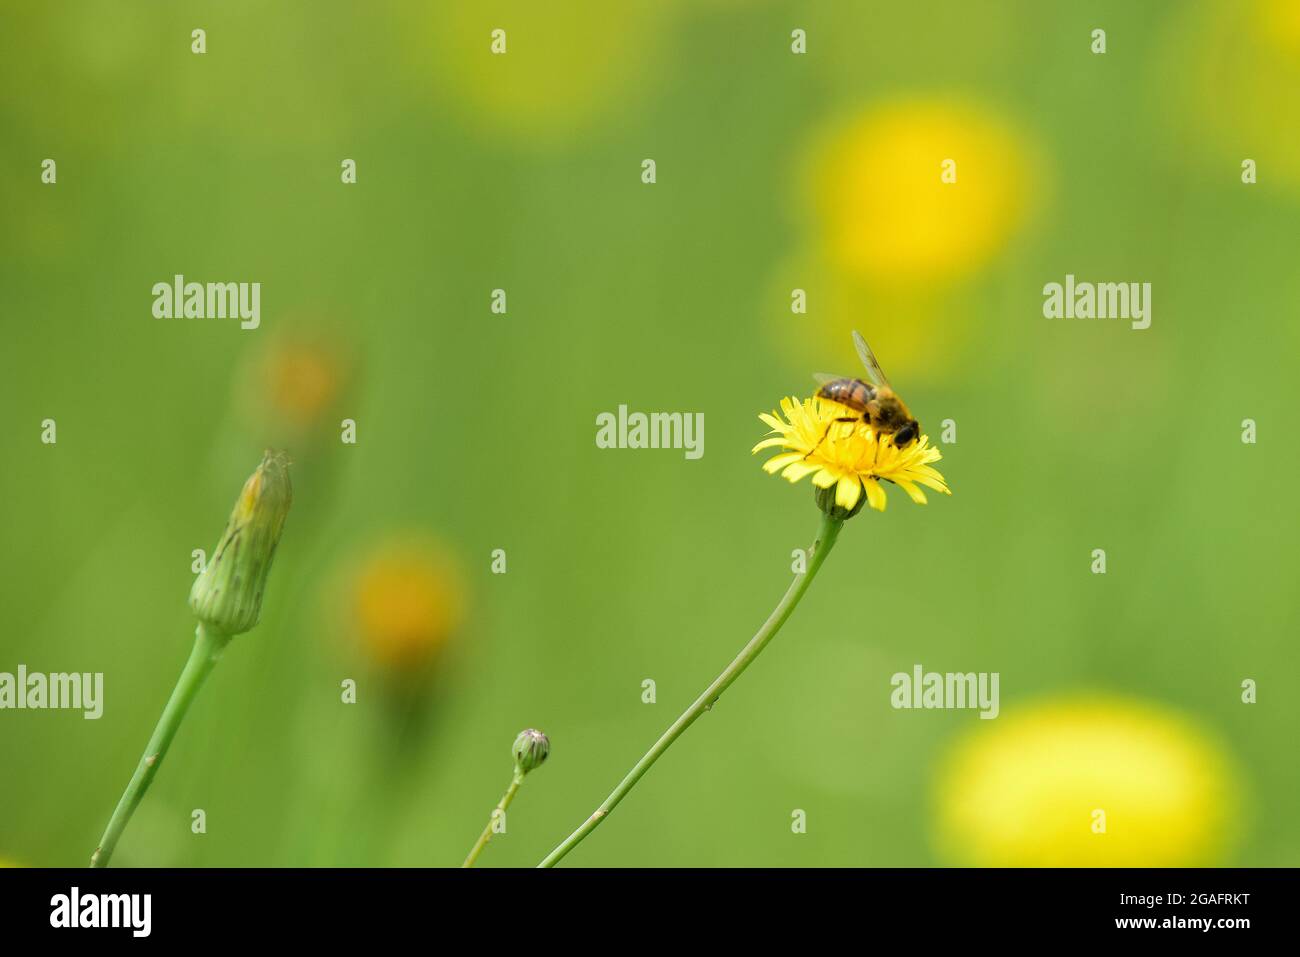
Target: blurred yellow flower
<point>1239,65</point>
<point>915,190</point>
<point>407,600</point>
<point>1279,23</point>
<point>1092,781</point>
<point>847,456</point>
<point>539,72</point>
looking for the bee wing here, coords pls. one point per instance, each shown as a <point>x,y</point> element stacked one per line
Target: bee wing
<point>821,378</point>
<point>874,372</point>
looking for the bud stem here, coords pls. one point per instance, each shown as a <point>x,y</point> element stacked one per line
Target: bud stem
<point>504,803</point>
<point>208,645</point>
<point>826,535</point>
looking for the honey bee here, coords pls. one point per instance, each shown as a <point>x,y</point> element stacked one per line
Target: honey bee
<point>875,402</point>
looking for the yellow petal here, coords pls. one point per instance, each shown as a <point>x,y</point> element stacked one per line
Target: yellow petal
<point>875,495</point>
<point>826,478</point>
<point>912,490</point>
<point>781,461</point>
<point>848,491</point>
<point>937,484</point>
<point>797,470</point>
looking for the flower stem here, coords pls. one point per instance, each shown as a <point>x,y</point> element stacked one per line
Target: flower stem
<point>208,645</point>
<point>829,531</point>
<point>504,803</point>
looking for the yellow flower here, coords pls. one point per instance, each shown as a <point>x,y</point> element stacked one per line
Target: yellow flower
<point>407,601</point>
<point>920,190</point>
<point>847,456</point>
<point>1090,781</point>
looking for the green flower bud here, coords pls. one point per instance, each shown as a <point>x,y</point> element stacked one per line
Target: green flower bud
<point>531,749</point>
<point>227,595</point>
<point>826,502</point>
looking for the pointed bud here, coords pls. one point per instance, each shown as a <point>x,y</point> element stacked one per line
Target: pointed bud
<point>227,595</point>
<point>531,749</point>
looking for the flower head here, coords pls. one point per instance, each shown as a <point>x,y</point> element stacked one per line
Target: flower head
<point>228,594</point>
<point>1087,781</point>
<point>289,388</point>
<point>407,601</point>
<point>531,749</point>
<point>920,190</point>
<point>300,379</point>
<point>847,460</point>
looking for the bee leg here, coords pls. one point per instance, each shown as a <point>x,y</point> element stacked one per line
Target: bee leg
<point>828,432</point>
<point>819,441</point>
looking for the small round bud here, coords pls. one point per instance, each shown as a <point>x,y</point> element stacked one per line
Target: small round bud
<point>531,749</point>
<point>826,502</point>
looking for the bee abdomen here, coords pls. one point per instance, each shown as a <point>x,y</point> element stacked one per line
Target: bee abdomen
<point>853,393</point>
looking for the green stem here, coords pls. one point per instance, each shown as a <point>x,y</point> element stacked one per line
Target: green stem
<point>830,530</point>
<point>208,645</point>
<point>504,803</point>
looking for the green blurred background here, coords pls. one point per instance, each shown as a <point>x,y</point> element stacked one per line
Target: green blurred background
<point>476,431</point>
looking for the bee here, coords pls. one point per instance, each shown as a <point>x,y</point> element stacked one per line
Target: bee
<point>875,402</point>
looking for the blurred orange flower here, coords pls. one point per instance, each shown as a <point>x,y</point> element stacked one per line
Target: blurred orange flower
<point>408,599</point>
<point>291,386</point>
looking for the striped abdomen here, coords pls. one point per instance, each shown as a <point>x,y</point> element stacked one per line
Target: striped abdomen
<point>853,393</point>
